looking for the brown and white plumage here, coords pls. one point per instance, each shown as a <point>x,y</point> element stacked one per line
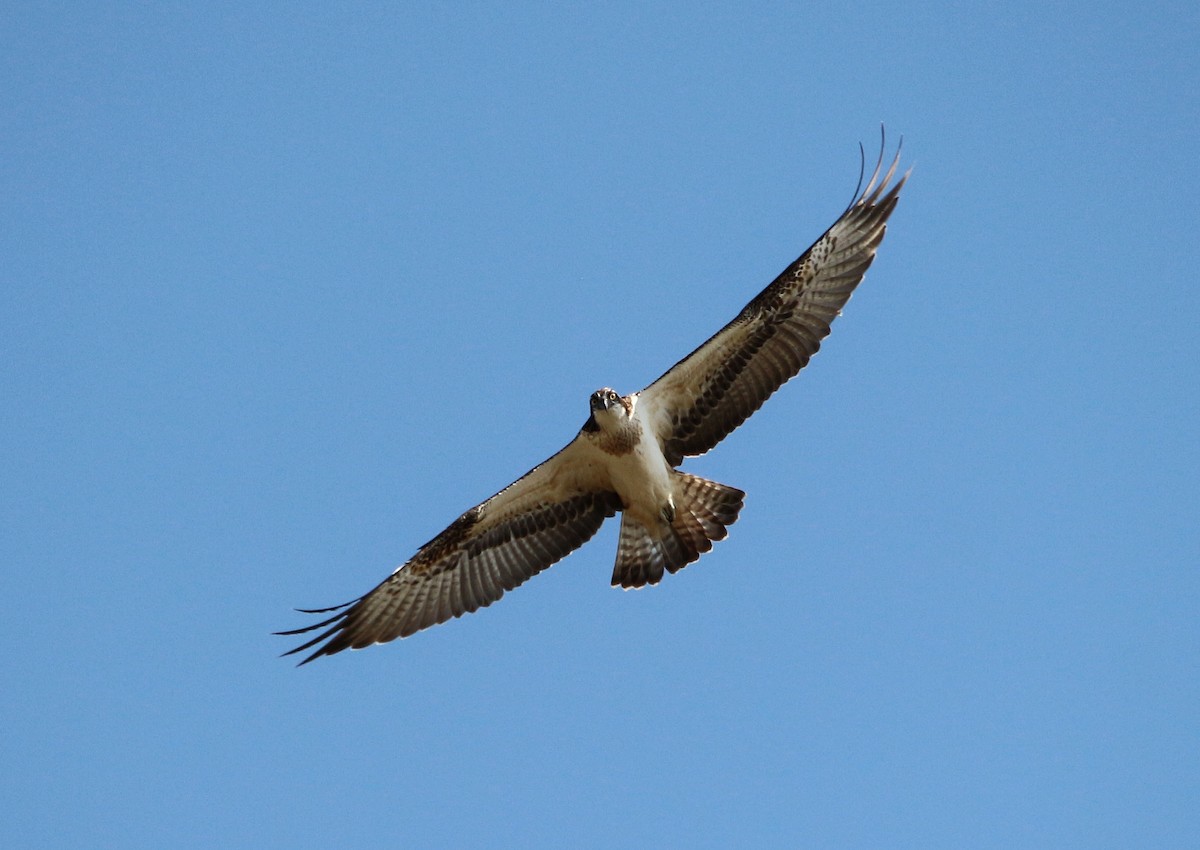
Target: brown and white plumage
<point>715,388</point>
<point>624,457</point>
<point>529,525</point>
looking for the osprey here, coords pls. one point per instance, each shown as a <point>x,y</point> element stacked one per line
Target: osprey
<point>625,457</point>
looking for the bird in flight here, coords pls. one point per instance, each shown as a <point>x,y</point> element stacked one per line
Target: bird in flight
<point>626,456</point>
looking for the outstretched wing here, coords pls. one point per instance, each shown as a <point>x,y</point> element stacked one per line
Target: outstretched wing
<point>715,388</point>
<point>529,525</point>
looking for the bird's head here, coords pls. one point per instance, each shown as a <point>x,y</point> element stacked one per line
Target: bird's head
<point>606,401</point>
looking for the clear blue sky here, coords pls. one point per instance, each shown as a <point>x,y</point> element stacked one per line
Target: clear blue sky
<point>284,291</point>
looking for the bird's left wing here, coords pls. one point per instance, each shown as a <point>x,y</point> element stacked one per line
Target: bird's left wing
<point>529,525</point>
<point>715,388</point>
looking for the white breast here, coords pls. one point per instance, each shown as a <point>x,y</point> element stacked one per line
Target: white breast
<point>642,477</point>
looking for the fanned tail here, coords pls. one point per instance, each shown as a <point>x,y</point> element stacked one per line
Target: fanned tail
<point>703,510</point>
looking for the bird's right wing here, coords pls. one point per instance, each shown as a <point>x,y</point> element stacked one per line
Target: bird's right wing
<point>529,525</point>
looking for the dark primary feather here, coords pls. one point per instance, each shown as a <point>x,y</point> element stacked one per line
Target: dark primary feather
<point>714,389</point>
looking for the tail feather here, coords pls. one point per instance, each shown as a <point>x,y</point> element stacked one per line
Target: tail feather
<point>703,509</point>
<point>692,533</point>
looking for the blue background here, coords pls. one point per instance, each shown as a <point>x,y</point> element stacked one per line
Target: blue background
<point>285,289</point>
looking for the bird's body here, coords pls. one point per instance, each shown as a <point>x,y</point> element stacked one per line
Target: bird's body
<point>668,518</point>
<point>625,457</point>
<point>628,457</point>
